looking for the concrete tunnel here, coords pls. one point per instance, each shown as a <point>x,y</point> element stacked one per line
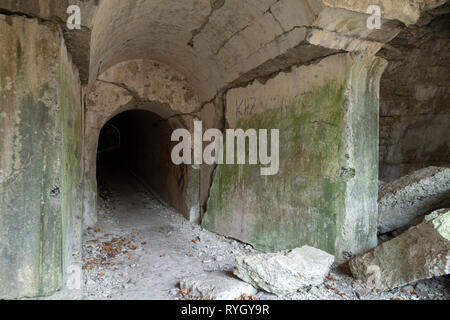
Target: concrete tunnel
<point>310,68</point>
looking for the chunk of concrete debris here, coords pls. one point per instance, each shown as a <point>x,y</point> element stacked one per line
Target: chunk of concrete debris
<point>286,271</point>
<point>391,235</point>
<point>422,252</point>
<point>412,196</point>
<point>217,286</point>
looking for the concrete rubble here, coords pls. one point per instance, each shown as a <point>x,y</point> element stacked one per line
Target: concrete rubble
<point>422,252</point>
<point>217,286</point>
<point>404,200</point>
<point>286,271</point>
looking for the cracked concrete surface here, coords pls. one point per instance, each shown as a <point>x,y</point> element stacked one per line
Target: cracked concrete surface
<point>181,60</point>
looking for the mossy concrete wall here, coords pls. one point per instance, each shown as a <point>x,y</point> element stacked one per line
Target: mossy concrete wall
<point>39,157</point>
<point>71,117</point>
<point>326,190</point>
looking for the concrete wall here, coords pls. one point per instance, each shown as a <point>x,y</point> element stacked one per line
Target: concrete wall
<point>414,100</point>
<point>327,114</point>
<point>40,150</point>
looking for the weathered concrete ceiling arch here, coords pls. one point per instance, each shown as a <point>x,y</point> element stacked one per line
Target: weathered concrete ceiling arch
<point>159,30</point>
<point>218,43</point>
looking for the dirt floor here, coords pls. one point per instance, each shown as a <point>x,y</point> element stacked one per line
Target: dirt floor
<point>142,249</point>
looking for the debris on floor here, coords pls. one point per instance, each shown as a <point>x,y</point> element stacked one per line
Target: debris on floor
<point>169,249</point>
<point>422,252</point>
<point>216,286</point>
<point>285,272</point>
<point>402,201</point>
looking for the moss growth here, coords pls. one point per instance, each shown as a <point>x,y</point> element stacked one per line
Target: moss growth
<point>71,132</point>
<point>43,168</point>
<point>442,225</point>
<point>298,205</point>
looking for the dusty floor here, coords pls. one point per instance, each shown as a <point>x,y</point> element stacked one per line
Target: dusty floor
<point>141,250</point>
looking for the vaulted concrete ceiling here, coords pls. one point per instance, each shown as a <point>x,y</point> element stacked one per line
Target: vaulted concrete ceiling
<point>211,42</point>
<point>218,43</point>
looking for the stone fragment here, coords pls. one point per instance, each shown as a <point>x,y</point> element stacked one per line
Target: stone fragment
<point>217,286</point>
<point>422,252</point>
<point>286,271</point>
<point>412,196</point>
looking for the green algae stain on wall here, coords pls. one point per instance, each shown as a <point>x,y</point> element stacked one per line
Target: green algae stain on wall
<point>71,170</point>
<point>299,205</point>
<point>33,185</point>
<point>29,214</point>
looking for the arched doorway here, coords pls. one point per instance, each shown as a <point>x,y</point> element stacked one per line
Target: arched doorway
<point>134,147</point>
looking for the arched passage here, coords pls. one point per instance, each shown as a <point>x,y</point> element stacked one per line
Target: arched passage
<point>152,88</point>
<point>135,145</point>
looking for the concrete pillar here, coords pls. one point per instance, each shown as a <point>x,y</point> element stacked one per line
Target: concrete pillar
<point>325,194</point>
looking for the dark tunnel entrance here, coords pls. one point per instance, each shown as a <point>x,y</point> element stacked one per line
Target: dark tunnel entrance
<point>135,147</point>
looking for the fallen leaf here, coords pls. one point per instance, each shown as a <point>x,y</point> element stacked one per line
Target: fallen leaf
<point>100,274</point>
<point>132,247</point>
<point>143,243</point>
<point>331,278</point>
<point>341,294</point>
<point>107,248</point>
<point>97,230</point>
<point>190,255</point>
<point>183,291</point>
<point>194,241</point>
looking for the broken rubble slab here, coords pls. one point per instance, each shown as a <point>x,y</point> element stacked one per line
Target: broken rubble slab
<point>286,271</point>
<point>412,196</point>
<point>217,286</point>
<point>422,252</point>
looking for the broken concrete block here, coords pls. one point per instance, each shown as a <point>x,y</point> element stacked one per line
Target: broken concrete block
<point>217,286</point>
<point>412,196</point>
<point>285,272</point>
<point>422,252</point>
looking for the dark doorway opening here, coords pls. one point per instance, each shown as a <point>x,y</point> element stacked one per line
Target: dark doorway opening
<point>136,145</point>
